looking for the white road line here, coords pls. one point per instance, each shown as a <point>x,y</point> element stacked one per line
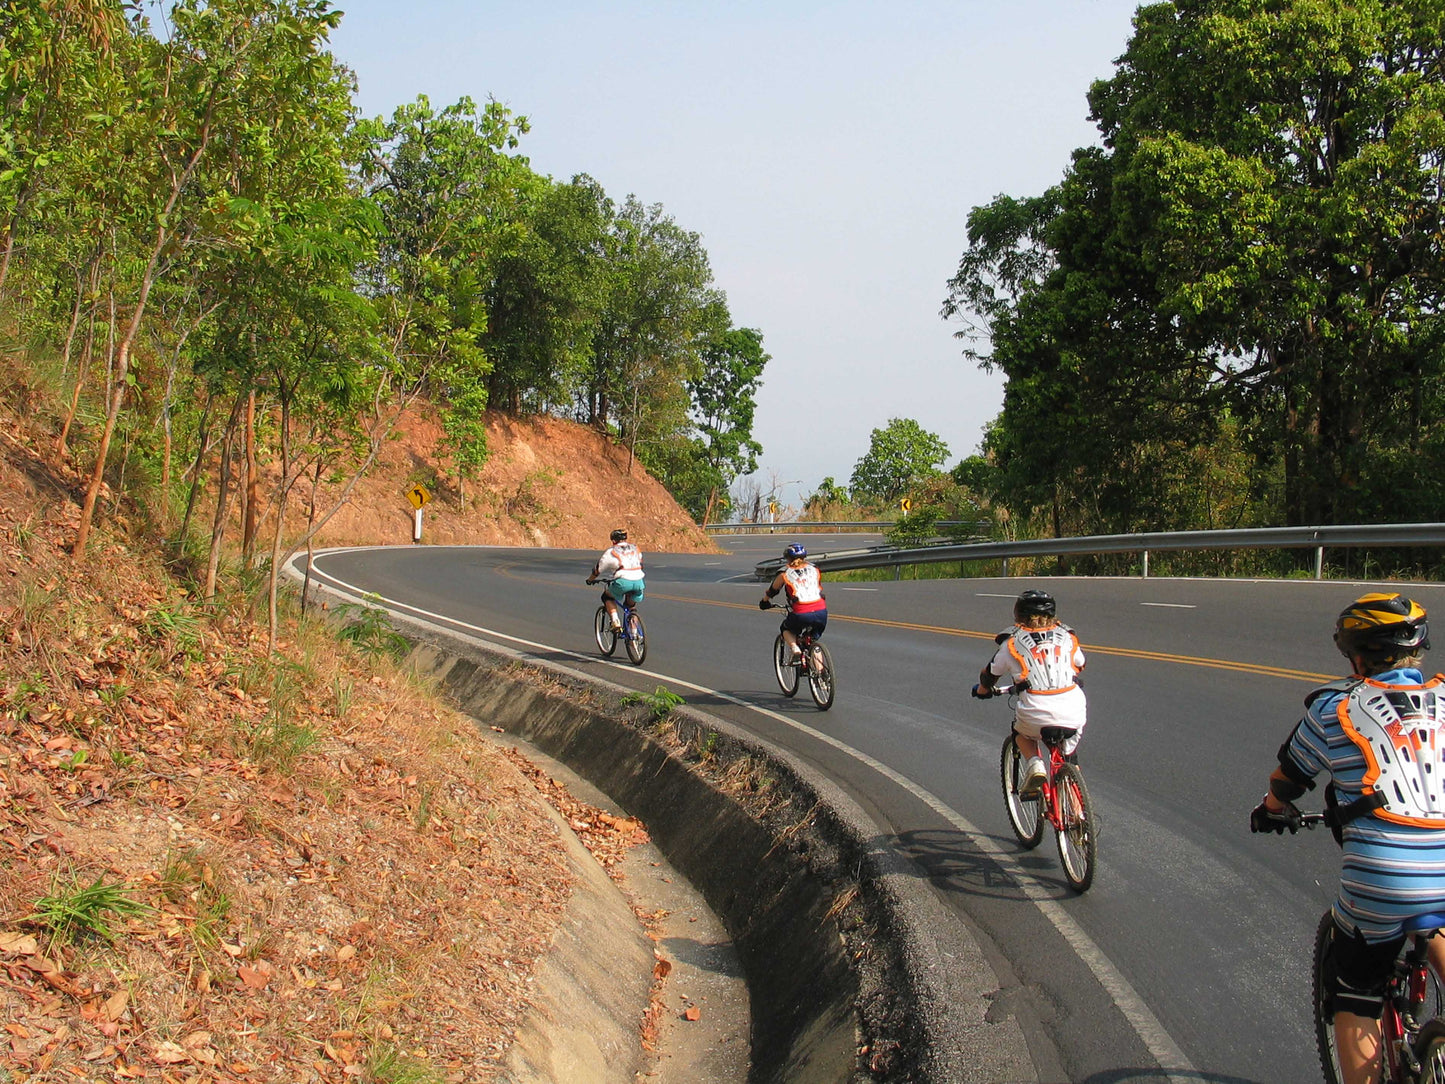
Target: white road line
<point>985,594</point>
<point>1146,1025</point>
<point>1171,605</point>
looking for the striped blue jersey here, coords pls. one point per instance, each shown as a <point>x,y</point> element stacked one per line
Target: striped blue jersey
<point>1390,871</point>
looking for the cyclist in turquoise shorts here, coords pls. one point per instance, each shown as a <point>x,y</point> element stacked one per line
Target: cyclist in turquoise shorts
<point>1379,736</point>
<point>621,567</point>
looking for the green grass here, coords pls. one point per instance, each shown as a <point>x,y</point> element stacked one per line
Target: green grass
<point>659,702</point>
<point>74,913</point>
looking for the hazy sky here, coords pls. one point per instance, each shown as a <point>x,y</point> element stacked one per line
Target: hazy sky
<point>828,154</point>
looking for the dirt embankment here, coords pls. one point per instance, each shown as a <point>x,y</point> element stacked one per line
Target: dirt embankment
<point>218,865</point>
<point>548,482</point>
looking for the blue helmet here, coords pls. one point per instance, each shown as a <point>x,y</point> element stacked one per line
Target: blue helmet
<point>794,551</point>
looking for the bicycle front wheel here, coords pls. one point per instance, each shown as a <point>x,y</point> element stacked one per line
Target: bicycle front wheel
<point>1023,813</point>
<point>636,638</point>
<point>1078,831</point>
<point>1430,1052</point>
<point>1324,1018</point>
<point>820,676</point>
<point>783,666</point>
<point>606,634</point>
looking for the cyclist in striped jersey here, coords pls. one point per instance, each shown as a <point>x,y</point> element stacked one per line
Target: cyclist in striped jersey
<point>1379,736</point>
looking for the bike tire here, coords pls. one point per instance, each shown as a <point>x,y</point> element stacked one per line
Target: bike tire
<point>783,666</point>
<point>636,638</point>
<point>1078,835</point>
<point>1025,815</point>
<point>822,681</point>
<point>1430,1052</point>
<point>1324,1020</point>
<point>606,634</point>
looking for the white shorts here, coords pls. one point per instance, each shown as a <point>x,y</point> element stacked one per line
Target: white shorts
<point>1067,710</point>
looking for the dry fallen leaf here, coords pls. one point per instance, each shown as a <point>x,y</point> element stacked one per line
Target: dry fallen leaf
<point>114,1007</point>
<point>253,978</point>
<point>170,1054</point>
<point>20,943</point>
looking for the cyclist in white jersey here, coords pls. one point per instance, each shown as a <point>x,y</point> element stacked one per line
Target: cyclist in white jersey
<point>621,567</point>
<point>1043,654</point>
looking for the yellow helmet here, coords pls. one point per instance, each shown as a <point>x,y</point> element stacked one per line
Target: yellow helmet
<point>1388,626</point>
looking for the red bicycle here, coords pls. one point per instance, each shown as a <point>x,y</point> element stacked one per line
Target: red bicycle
<point>1412,1025</point>
<point>1062,801</point>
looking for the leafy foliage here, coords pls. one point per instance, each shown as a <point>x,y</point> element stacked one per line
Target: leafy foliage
<point>1229,314</point>
<point>900,456</point>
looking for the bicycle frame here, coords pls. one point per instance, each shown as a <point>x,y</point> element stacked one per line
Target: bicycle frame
<point>1050,793</point>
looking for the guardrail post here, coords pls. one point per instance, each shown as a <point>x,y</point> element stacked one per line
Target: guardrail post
<point>898,572</point>
<point>1005,568</point>
<point>1146,564</point>
<point>1319,562</point>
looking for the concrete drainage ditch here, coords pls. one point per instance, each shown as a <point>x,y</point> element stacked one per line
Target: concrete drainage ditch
<point>848,976</point>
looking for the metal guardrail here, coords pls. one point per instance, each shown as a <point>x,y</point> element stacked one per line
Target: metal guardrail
<point>808,524</point>
<point>1316,538</point>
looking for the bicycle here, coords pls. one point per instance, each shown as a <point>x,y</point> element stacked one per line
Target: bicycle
<point>1412,1025</point>
<point>1062,801</point>
<point>815,660</point>
<point>633,632</point>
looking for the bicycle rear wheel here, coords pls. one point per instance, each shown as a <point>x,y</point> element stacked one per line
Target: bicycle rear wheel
<point>820,676</point>
<point>1023,813</point>
<point>636,638</point>
<point>1430,1052</point>
<point>1078,836</point>
<point>783,666</point>
<point>1324,1019</point>
<point>606,634</point>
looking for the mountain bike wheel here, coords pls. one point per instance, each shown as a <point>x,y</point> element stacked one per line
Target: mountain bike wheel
<point>606,634</point>
<point>636,638</point>
<point>783,666</point>
<point>1023,813</point>
<point>1078,838</point>
<point>1430,1052</point>
<point>820,676</point>
<point>1324,1020</point>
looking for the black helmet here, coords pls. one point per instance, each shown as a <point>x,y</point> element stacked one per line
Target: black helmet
<point>794,551</point>
<point>1034,604</point>
<point>619,535</point>
<point>1381,626</point>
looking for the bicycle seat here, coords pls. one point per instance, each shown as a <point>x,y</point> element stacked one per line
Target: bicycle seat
<point>1432,920</point>
<point>1053,735</point>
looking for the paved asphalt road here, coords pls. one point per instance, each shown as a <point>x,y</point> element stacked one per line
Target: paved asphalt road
<point>1191,949</point>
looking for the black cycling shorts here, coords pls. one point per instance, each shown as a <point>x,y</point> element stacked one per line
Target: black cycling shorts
<point>815,621</point>
<point>1357,972</point>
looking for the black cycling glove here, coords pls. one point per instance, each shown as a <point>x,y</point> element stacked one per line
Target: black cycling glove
<point>1264,819</point>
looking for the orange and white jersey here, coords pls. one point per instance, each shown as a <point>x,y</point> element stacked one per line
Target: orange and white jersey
<point>621,562</point>
<point>805,588</point>
<point>1049,659</point>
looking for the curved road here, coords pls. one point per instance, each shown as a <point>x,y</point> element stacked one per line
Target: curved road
<point>1187,960</point>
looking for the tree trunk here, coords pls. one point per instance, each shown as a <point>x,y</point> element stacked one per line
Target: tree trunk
<point>250,515</point>
<point>218,524</point>
<point>203,443</point>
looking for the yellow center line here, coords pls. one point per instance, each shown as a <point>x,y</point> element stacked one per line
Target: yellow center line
<point>1095,649</point>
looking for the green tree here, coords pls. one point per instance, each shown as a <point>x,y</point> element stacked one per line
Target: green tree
<point>445,190</point>
<point>1258,239</point>
<point>724,400</point>
<point>899,456</point>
